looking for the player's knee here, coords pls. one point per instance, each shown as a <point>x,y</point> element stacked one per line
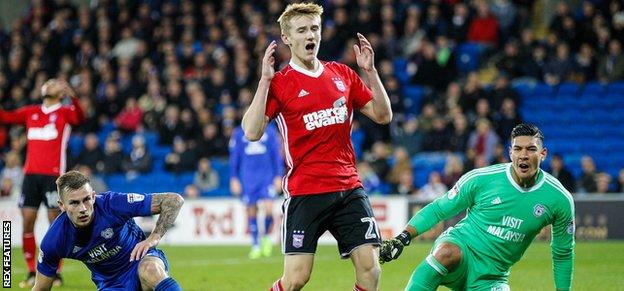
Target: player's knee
<point>449,255</point>
<point>151,272</point>
<point>370,271</point>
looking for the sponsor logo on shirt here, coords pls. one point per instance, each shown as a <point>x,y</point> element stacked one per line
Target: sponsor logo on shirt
<point>497,201</point>
<point>303,93</point>
<point>48,132</point>
<point>101,252</point>
<point>134,197</point>
<point>330,116</point>
<point>453,192</point>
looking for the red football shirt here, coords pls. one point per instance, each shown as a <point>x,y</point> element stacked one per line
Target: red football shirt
<point>47,133</point>
<point>314,113</point>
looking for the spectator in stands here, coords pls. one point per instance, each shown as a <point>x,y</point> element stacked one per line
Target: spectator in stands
<point>370,180</point>
<point>97,183</point>
<point>509,60</point>
<point>12,175</point>
<point>458,139</point>
<point>586,64</point>
<point>401,164</point>
<point>428,114</point>
<point>483,140</point>
<point>603,183</point>
<point>92,154</point>
<point>620,181</point>
<point>507,118</point>
<point>428,71</point>
<point>378,159</point>
<point>413,34</point>
<point>437,139</point>
<point>433,189</point>
<point>189,126</point>
<point>211,144</point>
<point>559,67</point>
<point>502,89</point>
<point>460,22</point>
<point>500,155</point>
<point>473,91</point>
<point>533,68</point>
<point>587,182</point>
<point>559,171</point>
<point>130,118</point>
<point>453,169</point>
<point>205,178</point>
<point>506,14</point>
<point>611,67</point>
<point>139,160</point>
<point>406,184</point>
<point>181,159</point>
<point>113,154</point>
<point>169,125</point>
<point>408,136</point>
<point>484,27</point>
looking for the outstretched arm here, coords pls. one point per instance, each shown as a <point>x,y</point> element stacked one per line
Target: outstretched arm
<point>168,206</point>
<point>460,197</point>
<point>378,109</point>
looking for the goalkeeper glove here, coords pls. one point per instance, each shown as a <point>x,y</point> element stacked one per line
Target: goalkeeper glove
<point>391,249</point>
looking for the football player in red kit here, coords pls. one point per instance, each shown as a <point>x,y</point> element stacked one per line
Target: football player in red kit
<point>48,127</point>
<point>313,103</point>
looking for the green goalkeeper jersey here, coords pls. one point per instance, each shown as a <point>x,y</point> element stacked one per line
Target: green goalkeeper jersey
<point>502,218</point>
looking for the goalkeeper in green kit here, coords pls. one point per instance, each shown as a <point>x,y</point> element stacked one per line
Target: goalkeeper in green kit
<point>506,206</point>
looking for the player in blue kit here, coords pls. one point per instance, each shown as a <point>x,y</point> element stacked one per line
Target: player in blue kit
<point>99,231</point>
<point>256,170</point>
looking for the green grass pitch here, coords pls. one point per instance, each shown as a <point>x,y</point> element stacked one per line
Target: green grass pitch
<point>599,266</point>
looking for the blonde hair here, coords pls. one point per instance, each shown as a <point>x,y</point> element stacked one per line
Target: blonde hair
<point>297,9</point>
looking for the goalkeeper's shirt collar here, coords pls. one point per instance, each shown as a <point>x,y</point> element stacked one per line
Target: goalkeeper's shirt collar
<point>538,183</point>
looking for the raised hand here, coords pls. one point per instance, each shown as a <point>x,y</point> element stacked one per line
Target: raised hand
<point>268,61</point>
<point>364,54</point>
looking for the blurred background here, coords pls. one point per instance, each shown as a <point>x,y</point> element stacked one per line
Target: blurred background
<point>165,82</point>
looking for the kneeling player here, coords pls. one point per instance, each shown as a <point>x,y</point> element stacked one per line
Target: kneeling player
<point>99,231</point>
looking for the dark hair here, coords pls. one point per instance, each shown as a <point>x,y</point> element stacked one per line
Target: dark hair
<point>70,181</point>
<point>524,129</point>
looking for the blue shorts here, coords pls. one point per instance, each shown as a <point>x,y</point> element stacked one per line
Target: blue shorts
<point>251,197</point>
<point>130,281</point>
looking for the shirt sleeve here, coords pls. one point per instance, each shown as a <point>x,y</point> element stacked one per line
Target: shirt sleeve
<point>358,92</point>
<point>14,117</point>
<point>562,245</point>
<point>49,258</point>
<point>273,106</point>
<point>276,157</point>
<point>75,112</point>
<point>129,205</point>
<point>455,200</point>
<point>234,146</point>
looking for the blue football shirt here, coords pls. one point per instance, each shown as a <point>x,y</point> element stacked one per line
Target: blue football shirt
<point>105,245</point>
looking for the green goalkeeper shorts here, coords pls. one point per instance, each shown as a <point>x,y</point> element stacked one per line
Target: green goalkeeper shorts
<point>474,272</point>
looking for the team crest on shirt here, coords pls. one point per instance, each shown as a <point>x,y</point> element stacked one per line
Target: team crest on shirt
<point>134,197</point>
<point>538,210</point>
<point>570,228</point>
<point>107,233</point>
<point>298,238</point>
<point>339,84</point>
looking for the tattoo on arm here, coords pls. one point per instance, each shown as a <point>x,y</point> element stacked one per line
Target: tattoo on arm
<point>168,206</point>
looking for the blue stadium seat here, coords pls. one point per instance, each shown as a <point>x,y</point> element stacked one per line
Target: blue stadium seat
<point>594,88</point>
<point>400,70</point>
<point>413,97</point>
<point>468,57</point>
<point>568,89</point>
<point>524,89</point>
<point>616,88</point>
<point>544,89</point>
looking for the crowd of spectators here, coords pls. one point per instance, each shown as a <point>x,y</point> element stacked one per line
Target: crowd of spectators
<point>188,69</point>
